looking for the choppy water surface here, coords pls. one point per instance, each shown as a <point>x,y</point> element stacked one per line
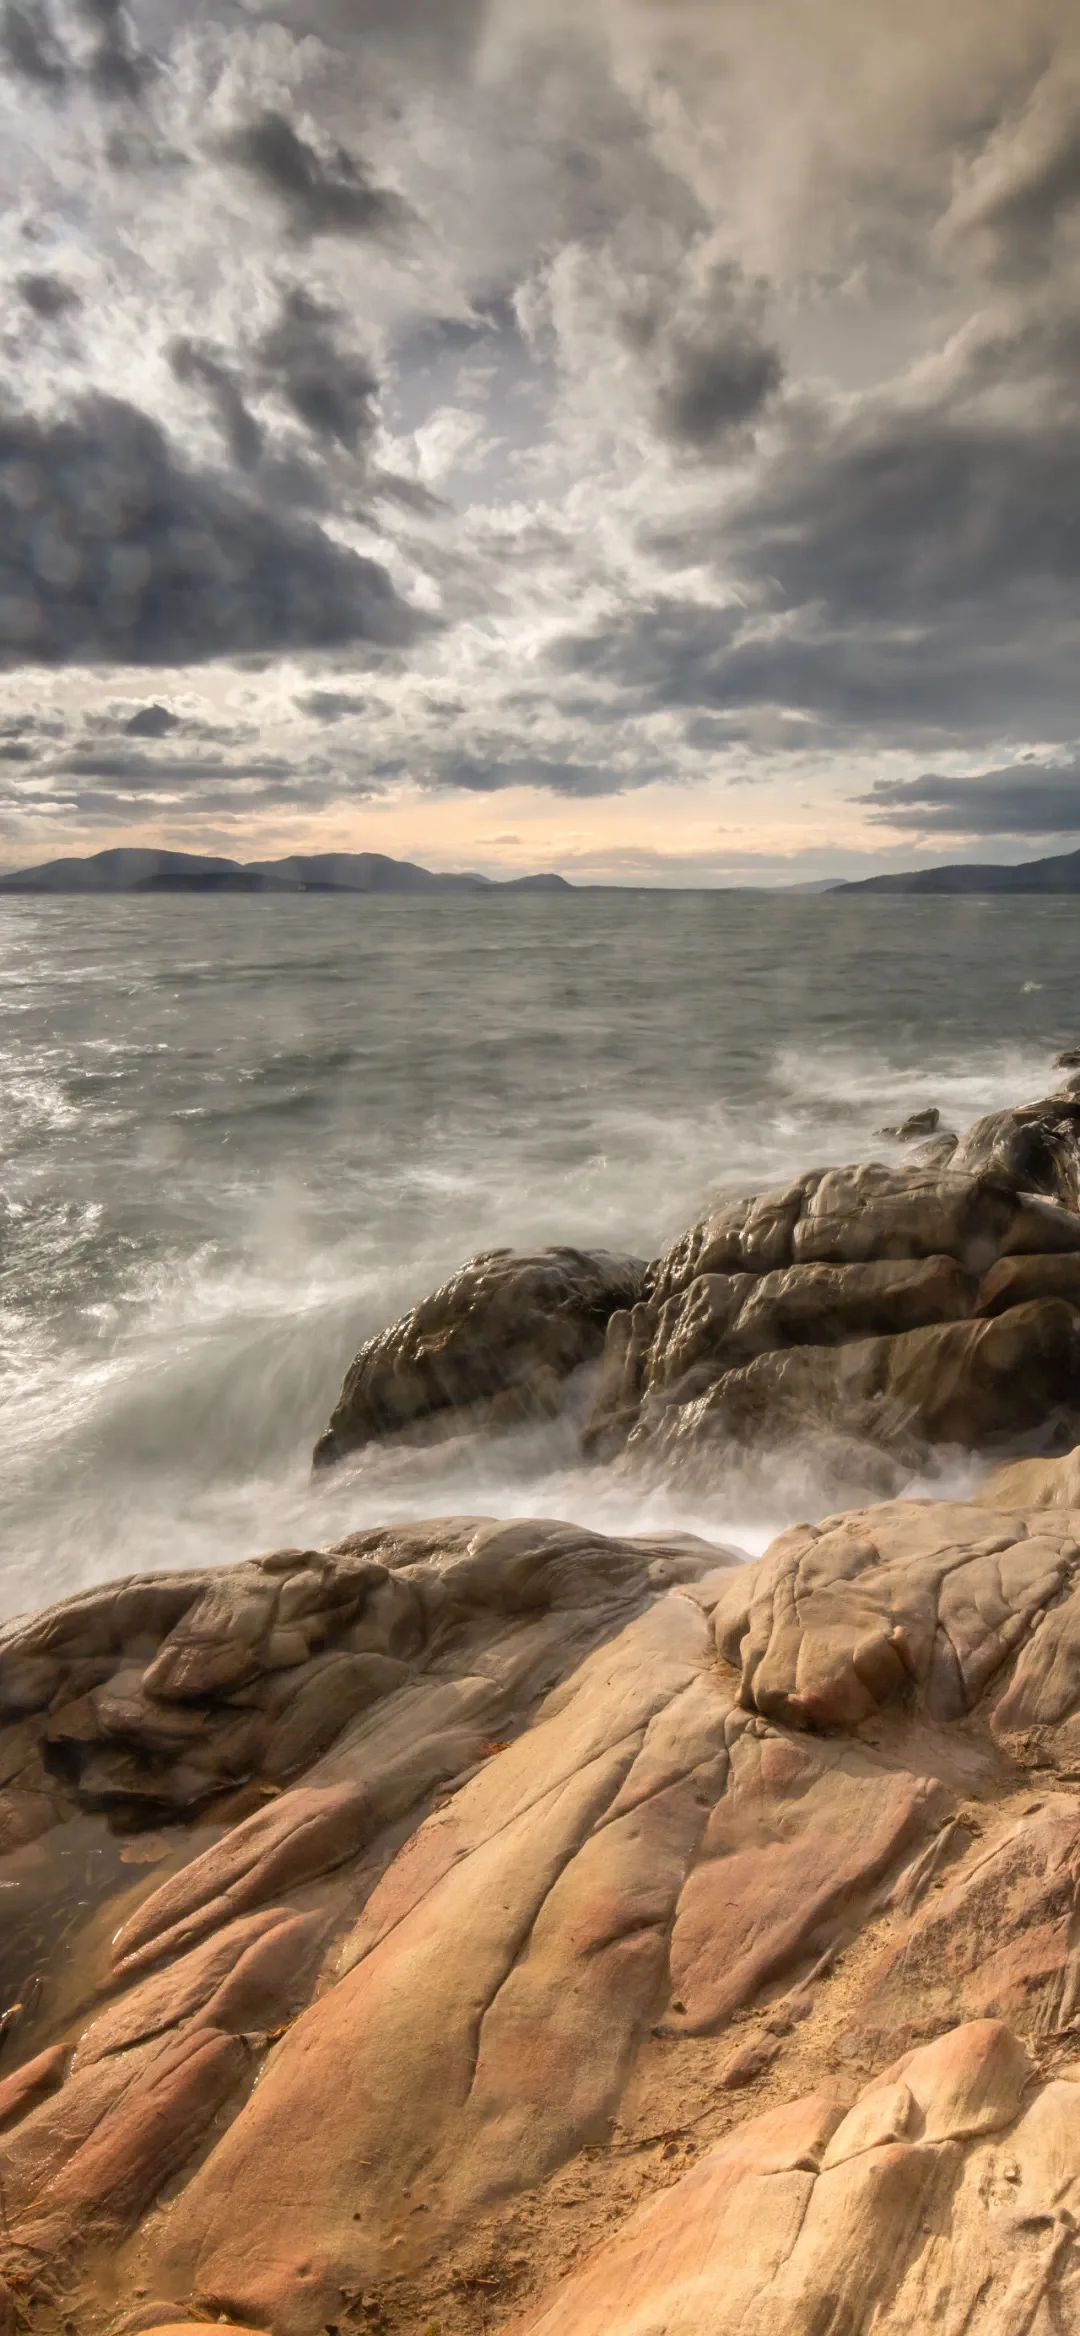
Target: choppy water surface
<point>238,1136</point>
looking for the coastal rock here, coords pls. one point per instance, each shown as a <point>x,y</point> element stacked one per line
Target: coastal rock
<point>1014,1281</point>
<point>938,1151</point>
<point>1039,1484</point>
<point>911,1600</point>
<point>548,1913</point>
<point>725,1339</point>
<point>1033,1146</point>
<point>844,1216</point>
<point>669,1355</point>
<point>923,2204</point>
<point>495,1343</point>
<point>169,1692</point>
<point>481,1926</point>
<point>976,1385</point>
<point>917,1123</point>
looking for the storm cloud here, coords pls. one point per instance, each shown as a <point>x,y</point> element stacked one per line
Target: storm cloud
<point>569,404</point>
<point>321,193</point>
<point>113,551</point>
<point>1027,799</point>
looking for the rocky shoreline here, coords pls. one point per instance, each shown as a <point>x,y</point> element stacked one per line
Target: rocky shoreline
<point>485,1926</point>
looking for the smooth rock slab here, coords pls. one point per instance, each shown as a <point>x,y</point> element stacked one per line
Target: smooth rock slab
<point>810,2219</point>
<point>640,1827</point>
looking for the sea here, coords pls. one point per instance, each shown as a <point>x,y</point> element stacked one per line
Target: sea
<point>240,1135</point>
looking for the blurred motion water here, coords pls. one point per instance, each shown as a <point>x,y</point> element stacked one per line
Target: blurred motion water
<point>237,1136</point>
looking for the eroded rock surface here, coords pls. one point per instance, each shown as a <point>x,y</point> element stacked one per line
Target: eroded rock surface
<point>925,2204</point>
<point>634,1843</point>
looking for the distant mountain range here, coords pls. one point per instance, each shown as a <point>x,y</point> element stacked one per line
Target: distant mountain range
<point>1060,874</point>
<point>133,870</point>
<point>180,872</point>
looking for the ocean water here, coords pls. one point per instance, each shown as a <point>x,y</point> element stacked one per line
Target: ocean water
<point>238,1136</point>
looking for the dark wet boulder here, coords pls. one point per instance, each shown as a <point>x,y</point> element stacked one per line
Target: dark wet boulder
<point>872,1212</point>
<point>1034,1148</point>
<point>494,1345</point>
<point>917,1123</point>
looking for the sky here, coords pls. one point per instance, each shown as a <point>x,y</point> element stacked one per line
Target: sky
<point>633,437</point>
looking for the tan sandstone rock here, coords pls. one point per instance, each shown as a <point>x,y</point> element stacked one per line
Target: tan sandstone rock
<point>634,1807</point>
<point>919,2208</point>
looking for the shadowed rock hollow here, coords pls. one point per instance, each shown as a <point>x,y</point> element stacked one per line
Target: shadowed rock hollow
<point>481,1927</point>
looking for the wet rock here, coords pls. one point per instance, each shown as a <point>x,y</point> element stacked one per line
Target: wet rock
<point>970,1384</point>
<point>911,1600</point>
<point>815,1264</point>
<point>473,1830</point>
<point>672,1354</point>
<point>30,2084</point>
<point>261,1668</point>
<point>917,1123</point>
<point>1034,1147</point>
<point>506,1330</point>
<point>1015,1281</point>
<point>1038,1483</point>
<point>938,1152</point>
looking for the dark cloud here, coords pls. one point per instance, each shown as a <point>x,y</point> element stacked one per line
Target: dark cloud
<point>329,387</point>
<point>824,683</point>
<point>435,33</point>
<point>305,363</point>
<point>132,768</point>
<point>488,774</point>
<point>908,571</point>
<point>1025,799</point>
<point>47,295</point>
<point>323,193</point>
<point>115,67</point>
<point>206,369</point>
<point>391,487</point>
<point>715,386</point>
<point>1027,183</point>
<point>713,367</point>
<point>152,722</point>
<point>909,512</point>
<point>118,68</point>
<point>331,705</point>
<point>113,551</point>
<point>31,48</point>
<point>492,318</point>
<point>31,726</point>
